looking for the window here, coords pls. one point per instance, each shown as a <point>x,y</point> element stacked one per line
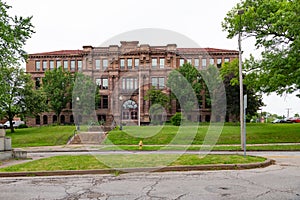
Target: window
<point>54,119</point>
<point>66,65</point>
<point>37,120</point>
<point>226,60</point>
<point>98,81</point>
<point>161,63</point>
<point>62,119</point>
<point>45,119</point>
<point>58,63</point>
<point>103,103</point>
<point>97,64</point>
<point>37,82</point>
<point>79,65</point>
<point>196,61</point>
<point>189,60</point>
<point>72,119</point>
<point>158,82</point>
<point>102,83</point>
<point>122,63</point>
<point>129,83</point>
<point>51,64</point>
<point>136,63</point>
<point>130,110</point>
<point>105,83</point>
<point>181,62</point>
<point>219,62</point>
<point>204,63</point>
<point>73,65</point>
<point>105,64</point>
<point>101,118</point>
<point>211,61</point>
<point>44,65</point>
<point>37,65</point>
<point>154,62</point>
<point>129,63</point>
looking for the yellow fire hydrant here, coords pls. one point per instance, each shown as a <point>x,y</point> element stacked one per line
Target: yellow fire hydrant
<point>140,144</point>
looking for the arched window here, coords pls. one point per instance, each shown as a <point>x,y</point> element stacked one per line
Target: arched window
<point>62,119</point>
<point>130,110</point>
<point>45,119</point>
<point>72,119</point>
<point>37,120</point>
<point>54,119</point>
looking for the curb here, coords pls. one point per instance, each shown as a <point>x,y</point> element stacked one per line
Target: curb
<point>266,163</point>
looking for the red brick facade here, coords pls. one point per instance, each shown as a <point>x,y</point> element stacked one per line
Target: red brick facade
<point>128,70</point>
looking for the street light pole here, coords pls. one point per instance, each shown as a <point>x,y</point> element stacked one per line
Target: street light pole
<point>121,113</point>
<point>78,120</point>
<point>240,12</point>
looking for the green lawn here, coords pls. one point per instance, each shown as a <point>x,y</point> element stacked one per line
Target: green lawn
<point>157,135</point>
<point>198,148</point>
<point>41,136</point>
<point>86,162</point>
<point>256,134</point>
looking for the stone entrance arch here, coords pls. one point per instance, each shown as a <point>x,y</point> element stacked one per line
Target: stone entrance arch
<point>130,110</point>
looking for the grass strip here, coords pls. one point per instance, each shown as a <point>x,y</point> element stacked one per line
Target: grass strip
<point>88,162</point>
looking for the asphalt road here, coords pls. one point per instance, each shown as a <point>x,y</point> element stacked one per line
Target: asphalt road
<point>280,181</point>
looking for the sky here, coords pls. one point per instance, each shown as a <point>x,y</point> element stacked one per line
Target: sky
<point>69,24</point>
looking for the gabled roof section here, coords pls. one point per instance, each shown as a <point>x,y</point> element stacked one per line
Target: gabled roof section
<point>57,53</point>
<point>208,50</point>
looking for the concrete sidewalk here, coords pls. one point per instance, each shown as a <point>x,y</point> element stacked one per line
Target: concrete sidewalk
<point>88,148</point>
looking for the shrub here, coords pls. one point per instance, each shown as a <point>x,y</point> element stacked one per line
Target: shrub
<point>22,126</point>
<point>176,119</point>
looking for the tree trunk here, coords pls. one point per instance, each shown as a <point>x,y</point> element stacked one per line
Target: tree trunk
<point>58,118</point>
<point>12,130</point>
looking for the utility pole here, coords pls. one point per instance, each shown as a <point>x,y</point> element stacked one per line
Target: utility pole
<point>240,13</point>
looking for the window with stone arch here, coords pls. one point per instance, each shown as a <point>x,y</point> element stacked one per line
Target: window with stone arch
<point>130,110</point>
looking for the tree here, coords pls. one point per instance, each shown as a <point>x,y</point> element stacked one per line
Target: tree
<point>159,103</point>
<point>17,95</point>
<point>14,31</point>
<point>158,97</point>
<point>229,73</point>
<point>58,86</point>
<point>85,98</point>
<point>275,26</point>
<point>186,85</point>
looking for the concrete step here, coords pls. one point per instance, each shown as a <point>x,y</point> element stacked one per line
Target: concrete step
<point>88,138</point>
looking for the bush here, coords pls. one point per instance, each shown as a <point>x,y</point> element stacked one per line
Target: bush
<point>176,119</point>
<point>22,126</point>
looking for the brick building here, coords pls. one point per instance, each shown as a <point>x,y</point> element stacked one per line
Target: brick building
<point>124,73</point>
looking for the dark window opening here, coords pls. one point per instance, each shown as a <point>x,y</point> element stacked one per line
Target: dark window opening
<point>72,119</point>
<point>45,119</point>
<point>54,119</point>
<point>62,119</point>
<point>38,120</point>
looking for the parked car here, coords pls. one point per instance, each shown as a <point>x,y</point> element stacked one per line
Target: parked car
<point>294,120</point>
<point>15,124</point>
<point>276,121</point>
<point>1,125</point>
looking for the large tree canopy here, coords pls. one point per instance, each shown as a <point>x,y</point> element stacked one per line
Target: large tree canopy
<point>275,24</point>
<point>17,96</point>
<point>58,85</point>
<point>186,84</point>
<point>14,31</point>
<point>229,73</point>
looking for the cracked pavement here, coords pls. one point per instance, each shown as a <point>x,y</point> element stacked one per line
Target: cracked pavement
<point>280,181</point>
